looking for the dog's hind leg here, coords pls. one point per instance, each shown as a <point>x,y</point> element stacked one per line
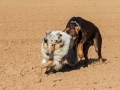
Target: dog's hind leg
<point>98,44</point>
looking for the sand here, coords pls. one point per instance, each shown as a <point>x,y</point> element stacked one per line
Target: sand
<point>23,24</point>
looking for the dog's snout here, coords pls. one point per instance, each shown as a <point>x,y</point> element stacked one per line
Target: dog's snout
<point>47,53</point>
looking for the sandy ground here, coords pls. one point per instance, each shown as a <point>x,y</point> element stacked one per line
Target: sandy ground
<point>23,24</point>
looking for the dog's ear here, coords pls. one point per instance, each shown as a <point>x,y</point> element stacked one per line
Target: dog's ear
<point>66,29</point>
<point>45,40</point>
<point>77,28</point>
<point>59,35</point>
<point>46,37</point>
<point>48,32</point>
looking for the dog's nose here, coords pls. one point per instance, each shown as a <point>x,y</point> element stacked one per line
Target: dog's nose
<point>47,53</point>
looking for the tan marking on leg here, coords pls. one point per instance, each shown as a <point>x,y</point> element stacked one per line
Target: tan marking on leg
<point>47,64</point>
<point>42,75</point>
<point>80,51</point>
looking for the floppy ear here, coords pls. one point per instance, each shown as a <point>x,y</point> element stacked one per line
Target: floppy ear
<point>45,40</point>
<point>77,28</point>
<point>66,29</point>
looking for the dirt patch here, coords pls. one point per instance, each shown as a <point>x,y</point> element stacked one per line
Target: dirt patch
<point>23,24</point>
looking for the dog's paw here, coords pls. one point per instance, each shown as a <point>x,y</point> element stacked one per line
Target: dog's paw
<point>101,61</point>
<point>80,54</point>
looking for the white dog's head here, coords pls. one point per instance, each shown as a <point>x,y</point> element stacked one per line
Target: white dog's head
<point>52,41</point>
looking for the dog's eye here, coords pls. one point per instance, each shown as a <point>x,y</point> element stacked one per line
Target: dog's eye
<point>45,40</point>
<point>56,41</point>
<point>53,45</point>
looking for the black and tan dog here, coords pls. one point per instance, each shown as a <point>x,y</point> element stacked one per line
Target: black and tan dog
<point>85,34</point>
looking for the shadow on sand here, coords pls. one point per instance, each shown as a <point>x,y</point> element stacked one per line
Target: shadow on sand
<point>67,67</point>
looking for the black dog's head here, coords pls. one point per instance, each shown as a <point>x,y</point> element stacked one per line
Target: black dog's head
<point>73,25</point>
<point>73,29</point>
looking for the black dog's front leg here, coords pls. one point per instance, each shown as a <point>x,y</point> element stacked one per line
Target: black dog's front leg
<point>81,43</point>
<point>84,37</point>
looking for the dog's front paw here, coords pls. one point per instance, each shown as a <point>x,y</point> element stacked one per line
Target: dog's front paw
<point>80,54</point>
<point>46,64</point>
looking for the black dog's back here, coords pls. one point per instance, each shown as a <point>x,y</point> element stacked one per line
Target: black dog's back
<point>82,22</point>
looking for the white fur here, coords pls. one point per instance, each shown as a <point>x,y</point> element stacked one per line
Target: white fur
<point>57,65</point>
<point>57,54</point>
<point>43,61</point>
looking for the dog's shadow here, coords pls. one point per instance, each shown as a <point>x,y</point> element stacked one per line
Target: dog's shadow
<point>67,67</point>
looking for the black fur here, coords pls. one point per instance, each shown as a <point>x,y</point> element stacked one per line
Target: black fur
<point>88,35</point>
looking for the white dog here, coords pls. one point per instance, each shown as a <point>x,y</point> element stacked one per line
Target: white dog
<point>55,49</point>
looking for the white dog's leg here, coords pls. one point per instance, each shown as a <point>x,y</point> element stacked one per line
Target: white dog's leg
<point>57,65</point>
<point>43,61</point>
<point>46,63</point>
